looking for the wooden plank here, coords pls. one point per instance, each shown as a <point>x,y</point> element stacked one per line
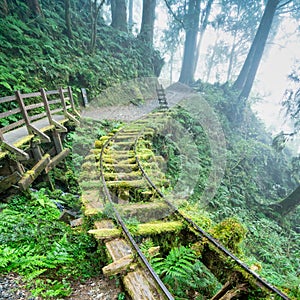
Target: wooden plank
<point>31,95</point>
<point>57,159</point>
<point>31,175</point>
<point>72,102</point>
<point>118,266</point>
<point>32,106</point>
<point>54,111</point>
<point>39,116</point>
<point>10,180</point>
<point>23,110</point>
<point>46,106</point>
<point>9,112</point>
<point>55,101</point>
<point>12,126</point>
<point>52,92</point>
<point>40,134</point>
<point>7,99</point>
<point>19,153</point>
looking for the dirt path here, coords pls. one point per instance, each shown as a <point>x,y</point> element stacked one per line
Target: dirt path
<point>126,113</point>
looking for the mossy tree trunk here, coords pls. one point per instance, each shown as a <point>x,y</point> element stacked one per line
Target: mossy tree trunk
<point>95,9</point>
<point>68,19</point>
<point>247,75</point>
<point>119,15</point>
<point>190,44</point>
<point>147,27</point>
<point>35,7</point>
<point>289,204</point>
<point>4,8</point>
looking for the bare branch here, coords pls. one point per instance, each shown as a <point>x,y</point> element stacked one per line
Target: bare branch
<point>284,4</point>
<point>173,14</point>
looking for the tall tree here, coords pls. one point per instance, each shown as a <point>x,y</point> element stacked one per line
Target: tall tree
<point>246,77</point>
<point>130,15</point>
<point>203,25</point>
<point>148,18</point>
<point>119,14</point>
<point>4,9</point>
<point>95,8</point>
<point>242,18</point>
<point>68,19</point>
<point>191,32</point>
<point>35,7</point>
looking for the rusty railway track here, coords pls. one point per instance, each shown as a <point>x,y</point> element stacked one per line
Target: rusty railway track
<point>125,183</point>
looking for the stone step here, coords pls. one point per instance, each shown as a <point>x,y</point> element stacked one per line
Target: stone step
<point>140,286</point>
<point>145,212</point>
<point>123,176</point>
<point>121,167</point>
<point>105,233</point>
<point>146,229</point>
<point>124,184</point>
<point>118,266</point>
<point>121,254</point>
<point>118,248</point>
<point>92,199</point>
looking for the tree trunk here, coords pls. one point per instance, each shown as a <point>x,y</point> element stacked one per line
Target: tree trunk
<point>95,9</point>
<point>4,10</point>
<point>68,19</point>
<point>288,204</point>
<point>189,55</point>
<point>35,7</point>
<point>130,15</point>
<point>203,26</point>
<point>232,51</point>
<point>246,77</point>
<point>148,18</point>
<point>119,15</point>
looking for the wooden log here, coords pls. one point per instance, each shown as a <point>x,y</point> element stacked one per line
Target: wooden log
<point>32,174</point>
<point>18,152</point>
<point>118,266</point>
<point>8,181</point>
<point>57,159</point>
<point>57,141</point>
<point>39,133</point>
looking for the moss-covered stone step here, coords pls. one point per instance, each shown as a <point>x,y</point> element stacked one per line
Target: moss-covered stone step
<point>123,145</point>
<point>123,184</point>
<point>123,176</point>
<point>121,167</point>
<point>146,229</point>
<point>118,248</point>
<point>116,159</point>
<point>121,153</point>
<point>158,227</point>
<point>104,224</point>
<point>92,201</point>
<point>118,266</point>
<point>140,285</point>
<point>105,233</point>
<point>145,212</point>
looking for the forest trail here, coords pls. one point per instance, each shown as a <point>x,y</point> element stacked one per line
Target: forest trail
<point>126,113</point>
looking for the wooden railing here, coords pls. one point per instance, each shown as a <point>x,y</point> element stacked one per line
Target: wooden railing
<point>27,109</point>
<point>31,133</point>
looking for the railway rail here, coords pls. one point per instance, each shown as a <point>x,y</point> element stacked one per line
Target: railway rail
<point>131,186</point>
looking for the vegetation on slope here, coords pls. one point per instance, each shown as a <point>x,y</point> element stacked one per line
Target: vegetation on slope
<point>256,176</point>
<point>36,52</point>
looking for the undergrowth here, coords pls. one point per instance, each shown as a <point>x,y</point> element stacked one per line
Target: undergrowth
<point>44,250</point>
<point>255,177</point>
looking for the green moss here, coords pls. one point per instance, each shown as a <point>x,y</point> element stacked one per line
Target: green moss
<point>230,232</point>
<point>159,227</point>
<point>105,233</point>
